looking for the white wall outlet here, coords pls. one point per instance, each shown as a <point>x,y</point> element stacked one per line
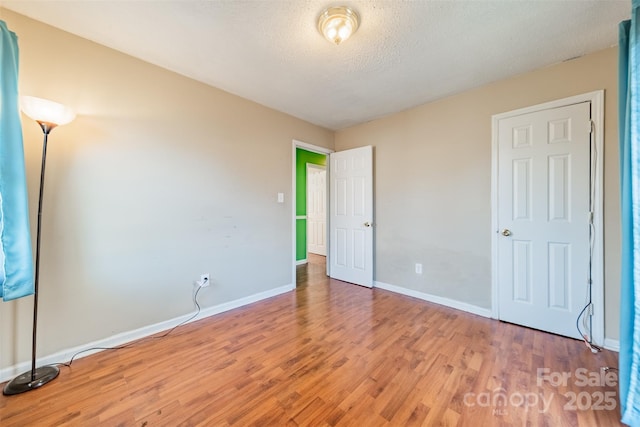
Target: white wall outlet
<point>418,268</point>
<point>204,280</point>
<point>280,197</point>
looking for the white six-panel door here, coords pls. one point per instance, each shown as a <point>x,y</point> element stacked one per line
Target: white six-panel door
<point>316,209</point>
<point>351,216</point>
<point>544,217</point>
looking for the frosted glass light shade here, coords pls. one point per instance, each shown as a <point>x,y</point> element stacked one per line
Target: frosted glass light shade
<point>338,23</point>
<point>45,111</point>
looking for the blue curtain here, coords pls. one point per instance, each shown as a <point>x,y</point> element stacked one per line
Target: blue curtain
<point>16,264</point>
<point>629,136</point>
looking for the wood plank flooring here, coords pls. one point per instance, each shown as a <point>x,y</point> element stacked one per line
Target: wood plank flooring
<point>332,354</point>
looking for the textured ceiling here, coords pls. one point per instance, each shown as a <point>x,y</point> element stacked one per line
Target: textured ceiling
<point>406,53</point>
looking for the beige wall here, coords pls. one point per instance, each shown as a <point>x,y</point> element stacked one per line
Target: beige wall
<point>433,182</point>
<point>159,179</point>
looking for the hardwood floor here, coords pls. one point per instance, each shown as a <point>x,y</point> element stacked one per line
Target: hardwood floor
<point>332,353</point>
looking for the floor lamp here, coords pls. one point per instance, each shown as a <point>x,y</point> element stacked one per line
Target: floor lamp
<point>48,114</point>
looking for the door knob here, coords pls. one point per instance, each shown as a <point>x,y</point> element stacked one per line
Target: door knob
<point>506,232</point>
<point>367,224</point>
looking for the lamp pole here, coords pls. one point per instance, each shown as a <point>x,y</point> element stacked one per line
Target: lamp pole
<point>46,373</point>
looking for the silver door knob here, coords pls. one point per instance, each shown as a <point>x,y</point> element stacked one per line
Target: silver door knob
<point>367,224</point>
<point>506,232</point>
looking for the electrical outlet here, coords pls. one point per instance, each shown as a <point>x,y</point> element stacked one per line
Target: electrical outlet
<point>418,268</point>
<point>204,280</point>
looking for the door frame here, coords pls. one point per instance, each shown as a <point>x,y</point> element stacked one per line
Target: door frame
<point>316,149</point>
<point>597,139</point>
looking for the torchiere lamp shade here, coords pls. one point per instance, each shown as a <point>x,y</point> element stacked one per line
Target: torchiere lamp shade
<point>45,111</point>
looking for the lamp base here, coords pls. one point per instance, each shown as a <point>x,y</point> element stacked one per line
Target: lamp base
<point>23,382</point>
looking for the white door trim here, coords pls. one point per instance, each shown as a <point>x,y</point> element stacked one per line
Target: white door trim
<point>597,136</point>
<point>316,149</point>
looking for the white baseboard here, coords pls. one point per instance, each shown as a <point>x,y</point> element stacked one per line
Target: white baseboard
<point>458,305</point>
<point>302,261</point>
<point>125,337</point>
<point>613,345</point>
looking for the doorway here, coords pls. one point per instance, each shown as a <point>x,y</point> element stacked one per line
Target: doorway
<point>309,164</point>
<point>303,155</point>
<point>349,220</point>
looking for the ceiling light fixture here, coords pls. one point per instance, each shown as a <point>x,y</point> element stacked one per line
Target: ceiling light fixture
<point>338,23</point>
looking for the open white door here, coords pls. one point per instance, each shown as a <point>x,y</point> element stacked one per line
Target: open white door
<point>351,216</point>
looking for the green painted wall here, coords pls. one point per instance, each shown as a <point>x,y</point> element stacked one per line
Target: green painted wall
<point>302,158</point>
<point>301,239</point>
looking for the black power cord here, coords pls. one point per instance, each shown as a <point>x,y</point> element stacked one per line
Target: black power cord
<point>133,343</point>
